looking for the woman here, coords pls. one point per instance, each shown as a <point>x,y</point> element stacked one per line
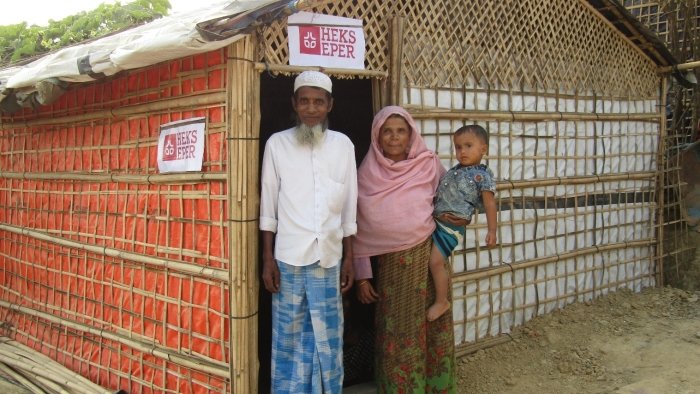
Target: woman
<point>397,181</point>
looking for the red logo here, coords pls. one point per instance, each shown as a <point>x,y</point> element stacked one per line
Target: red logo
<point>170,147</point>
<point>310,42</point>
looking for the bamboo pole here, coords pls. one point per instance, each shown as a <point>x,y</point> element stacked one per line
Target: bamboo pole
<point>679,67</point>
<point>661,187</point>
<point>306,4</point>
<point>26,358</point>
<point>396,59</point>
<point>244,115</point>
<point>103,324</point>
<point>33,373</point>
<point>48,371</point>
<point>62,376</point>
<point>591,250</point>
<point>191,269</point>
<point>212,97</point>
<point>574,180</point>
<point>262,67</point>
<point>463,350</point>
<point>379,94</point>
<point>196,178</point>
<point>21,379</point>
<point>212,367</point>
<point>527,116</point>
<point>96,177</point>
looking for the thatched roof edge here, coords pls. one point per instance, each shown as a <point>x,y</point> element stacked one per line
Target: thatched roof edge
<point>640,35</point>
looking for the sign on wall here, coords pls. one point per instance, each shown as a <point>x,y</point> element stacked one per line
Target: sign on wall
<point>181,145</point>
<point>325,41</point>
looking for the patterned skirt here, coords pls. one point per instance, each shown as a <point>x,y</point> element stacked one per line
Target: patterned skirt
<point>412,354</point>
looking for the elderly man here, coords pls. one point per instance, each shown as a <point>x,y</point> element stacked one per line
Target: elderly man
<point>307,217</point>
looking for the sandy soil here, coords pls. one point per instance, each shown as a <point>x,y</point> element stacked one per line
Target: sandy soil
<point>623,343</point>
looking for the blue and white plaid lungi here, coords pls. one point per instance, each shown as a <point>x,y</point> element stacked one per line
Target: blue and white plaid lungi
<point>307,331</point>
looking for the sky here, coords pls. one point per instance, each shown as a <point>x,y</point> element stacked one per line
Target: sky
<point>39,12</point>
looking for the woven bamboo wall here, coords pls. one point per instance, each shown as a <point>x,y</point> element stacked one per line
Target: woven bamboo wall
<point>673,21</point>
<point>677,23</point>
<point>118,272</point>
<point>574,115</point>
<point>651,14</point>
<point>123,274</point>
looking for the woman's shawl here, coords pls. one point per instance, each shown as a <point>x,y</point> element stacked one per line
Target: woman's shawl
<point>395,199</point>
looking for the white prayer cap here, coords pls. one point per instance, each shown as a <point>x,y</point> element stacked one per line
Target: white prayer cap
<point>315,79</point>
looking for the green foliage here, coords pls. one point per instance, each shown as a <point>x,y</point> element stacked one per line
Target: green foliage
<point>19,42</point>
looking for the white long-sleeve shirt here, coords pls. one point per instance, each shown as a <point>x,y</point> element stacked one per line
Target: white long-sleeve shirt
<point>309,197</point>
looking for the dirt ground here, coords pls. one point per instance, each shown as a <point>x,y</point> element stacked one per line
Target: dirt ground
<point>631,343</point>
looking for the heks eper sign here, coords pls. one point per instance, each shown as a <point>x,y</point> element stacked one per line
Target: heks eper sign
<point>169,148</point>
<point>326,41</point>
<point>310,42</point>
<point>181,145</point>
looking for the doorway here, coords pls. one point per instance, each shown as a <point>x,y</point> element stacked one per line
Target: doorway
<point>352,115</point>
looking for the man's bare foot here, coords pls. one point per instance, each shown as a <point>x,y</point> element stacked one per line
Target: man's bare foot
<point>438,309</point>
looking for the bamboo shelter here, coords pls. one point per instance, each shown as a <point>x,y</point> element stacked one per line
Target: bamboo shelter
<point>148,282</point>
<point>675,22</point>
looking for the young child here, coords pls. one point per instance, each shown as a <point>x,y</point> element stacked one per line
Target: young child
<point>466,186</point>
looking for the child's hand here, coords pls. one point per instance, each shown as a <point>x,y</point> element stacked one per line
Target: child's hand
<point>491,239</point>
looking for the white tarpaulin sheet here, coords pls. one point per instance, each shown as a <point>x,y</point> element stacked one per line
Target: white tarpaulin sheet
<point>167,38</point>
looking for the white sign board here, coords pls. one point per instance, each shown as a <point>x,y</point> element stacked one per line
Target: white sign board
<point>325,41</point>
<point>181,145</point>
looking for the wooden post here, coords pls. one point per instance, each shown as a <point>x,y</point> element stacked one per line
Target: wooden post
<point>661,185</point>
<point>243,201</point>
<point>396,60</point>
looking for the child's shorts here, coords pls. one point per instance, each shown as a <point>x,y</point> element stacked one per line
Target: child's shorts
<point>446,237</point>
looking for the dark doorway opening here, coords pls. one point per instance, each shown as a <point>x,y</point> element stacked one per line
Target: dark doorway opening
<point>352,115</point>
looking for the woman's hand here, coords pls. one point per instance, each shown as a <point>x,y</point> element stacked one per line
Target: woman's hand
<point>365,291</point>
<point>453,219</point>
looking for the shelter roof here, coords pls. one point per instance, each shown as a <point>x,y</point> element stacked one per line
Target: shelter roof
<point>640,35</point>
<point>42,80</point>
<point>181,34</point>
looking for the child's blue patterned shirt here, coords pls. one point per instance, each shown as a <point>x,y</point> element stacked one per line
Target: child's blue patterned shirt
<point>460,190</point>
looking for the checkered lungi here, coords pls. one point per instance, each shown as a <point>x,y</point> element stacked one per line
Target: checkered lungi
<point>307,331</point>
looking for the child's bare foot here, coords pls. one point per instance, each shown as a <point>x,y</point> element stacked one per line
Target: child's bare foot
<point>438,309</point>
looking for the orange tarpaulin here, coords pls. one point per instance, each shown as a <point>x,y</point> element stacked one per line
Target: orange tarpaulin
<point>109,317</point>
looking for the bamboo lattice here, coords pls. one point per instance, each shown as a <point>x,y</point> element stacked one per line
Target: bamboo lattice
<point>525,45</point>
<point>676,23</point>
<point>573,109</point>
<point>116,271</point>
<point>126,276</point>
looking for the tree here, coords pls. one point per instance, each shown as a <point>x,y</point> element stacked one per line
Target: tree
<point>21,42</point>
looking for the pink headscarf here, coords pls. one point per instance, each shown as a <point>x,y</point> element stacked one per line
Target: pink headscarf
<point>395,200</point>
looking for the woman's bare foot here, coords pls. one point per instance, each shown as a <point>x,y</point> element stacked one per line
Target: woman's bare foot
<point>438,309</point>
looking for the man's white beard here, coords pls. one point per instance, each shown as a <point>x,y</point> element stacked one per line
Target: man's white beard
<point>309,135</point>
